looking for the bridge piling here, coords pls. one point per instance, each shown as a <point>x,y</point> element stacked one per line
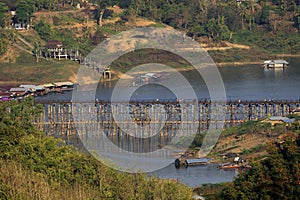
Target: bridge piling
<point>75,121</point>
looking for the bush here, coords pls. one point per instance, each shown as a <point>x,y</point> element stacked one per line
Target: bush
<point>44,30</point>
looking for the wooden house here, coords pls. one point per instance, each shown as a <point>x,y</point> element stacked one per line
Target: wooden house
<point>55,49</point>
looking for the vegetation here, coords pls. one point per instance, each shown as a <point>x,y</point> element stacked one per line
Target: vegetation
<point>33,166</point>
<point>267,25</point>
<point>23,71</point>
<point>5,37</point>
<point>252,127</point>
<point>273,153</point>
<point>276,177</point>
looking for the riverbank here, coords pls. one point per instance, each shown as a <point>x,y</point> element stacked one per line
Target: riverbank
<point>47,71</point>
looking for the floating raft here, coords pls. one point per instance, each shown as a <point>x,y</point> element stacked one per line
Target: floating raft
<point>183,162</point>
<point>275,63</point>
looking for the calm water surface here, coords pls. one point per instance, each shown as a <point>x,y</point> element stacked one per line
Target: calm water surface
<point>248,82</point>
<point>196,175</point>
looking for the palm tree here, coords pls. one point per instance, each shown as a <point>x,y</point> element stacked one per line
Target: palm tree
<point>242,13</point>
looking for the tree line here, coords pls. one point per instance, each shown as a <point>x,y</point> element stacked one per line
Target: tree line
<point>272,25</point>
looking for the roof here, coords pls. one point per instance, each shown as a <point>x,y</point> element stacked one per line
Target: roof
<point>39,87</point>
<point>280,118</point>
<point>296,110</point>
<point>32,87</point>
<point>27,86</point>
<point>276,62</point>
<point>19,89</point>
<point>198,160</point>
<point>47,85</point>
<point>54,44</point>
<point>66,83</point>
<point>4,94</point>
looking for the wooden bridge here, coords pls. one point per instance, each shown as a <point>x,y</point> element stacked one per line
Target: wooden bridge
<point>73,121</point>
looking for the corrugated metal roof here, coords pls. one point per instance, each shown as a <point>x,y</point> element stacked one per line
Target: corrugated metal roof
<point>39,87</point>
<point>19,89</point>
<point>276,62</point>
<point>27,86</point>
<point>198,160</point>
<point>280,118</point>
<point>67,83</point>
<point>47,85</point>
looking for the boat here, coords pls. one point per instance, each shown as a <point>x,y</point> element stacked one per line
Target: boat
<point>275,64</point>
<point>184,162</point>
<point>229,166</point>
<point>233,166</point>
<point>155,76</point>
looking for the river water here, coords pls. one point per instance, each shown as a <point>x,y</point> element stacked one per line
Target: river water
<point>249,82</point>
<point>196,175</point>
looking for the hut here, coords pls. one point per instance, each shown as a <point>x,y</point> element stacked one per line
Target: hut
<point>296,111</point>
<point>275,63</point>
<point>63,86</point>
<point>278,120</point>
<point>182,162</point>
<point>55,49</point>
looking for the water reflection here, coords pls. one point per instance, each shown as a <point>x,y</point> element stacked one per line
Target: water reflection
<point>249,82</point>
<point>197,175</point>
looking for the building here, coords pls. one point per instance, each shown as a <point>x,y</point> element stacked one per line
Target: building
<point>275,63</point>
<point>55,49</point>
<point>63,86</point>
<point>279,120</point>
<point>296,111</point>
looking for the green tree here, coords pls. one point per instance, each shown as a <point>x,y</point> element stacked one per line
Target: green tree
<point>263,16</point>
<point>3,15</point>
<point>44,30</point>
<point>24,11</point>
<point>36,158</point>
<point>102,6</point>
<point>6,36</point>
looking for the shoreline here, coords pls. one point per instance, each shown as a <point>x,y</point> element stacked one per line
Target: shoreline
<point>119,74</point>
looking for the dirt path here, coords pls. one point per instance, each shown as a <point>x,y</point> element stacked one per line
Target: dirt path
<point>21,48</point>
<point>228,46</point>
<point>25,42</point>
<point>55,13</point>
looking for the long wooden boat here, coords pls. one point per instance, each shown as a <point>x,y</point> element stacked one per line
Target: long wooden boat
<point>233,166</point>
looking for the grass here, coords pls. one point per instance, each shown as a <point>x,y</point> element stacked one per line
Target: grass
<point>252,127</point>
<point>255,149</point>
<point>238,55</point>
<point>25,70</point>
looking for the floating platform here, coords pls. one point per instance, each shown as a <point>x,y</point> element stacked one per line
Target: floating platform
<point>233,166</point>
<point>275,63</point>
<point>184,162</point>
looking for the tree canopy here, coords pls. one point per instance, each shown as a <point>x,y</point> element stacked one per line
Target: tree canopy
<point>277,177</point>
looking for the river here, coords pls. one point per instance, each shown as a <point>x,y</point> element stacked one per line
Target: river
<point>249,82</point>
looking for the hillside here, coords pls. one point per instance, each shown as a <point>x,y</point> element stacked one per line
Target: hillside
<point>250,140</point>
<point>236,32</point>
<point>34,166</point>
